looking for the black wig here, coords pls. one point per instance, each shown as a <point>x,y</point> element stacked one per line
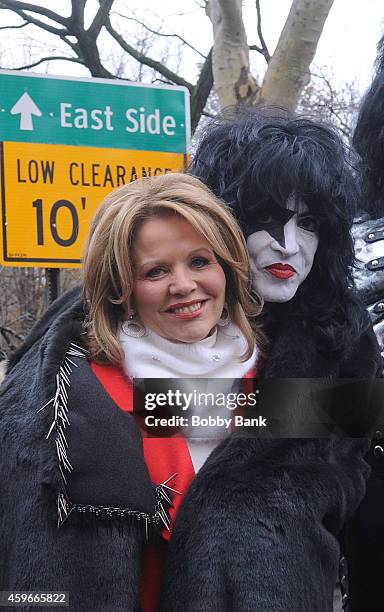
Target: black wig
<point>256,156</point>
<point>368,140</point>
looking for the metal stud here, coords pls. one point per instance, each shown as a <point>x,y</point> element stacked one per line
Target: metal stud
<point>378,451</point>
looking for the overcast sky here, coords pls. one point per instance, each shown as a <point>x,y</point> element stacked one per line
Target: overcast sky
<point>347,47</point>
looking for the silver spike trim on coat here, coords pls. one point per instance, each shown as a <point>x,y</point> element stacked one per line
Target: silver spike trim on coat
<point>60,407</point>
<point>159,518</point>
<point>65,507</point>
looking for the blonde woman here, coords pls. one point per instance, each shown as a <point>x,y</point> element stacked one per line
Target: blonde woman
<point>166,294</point>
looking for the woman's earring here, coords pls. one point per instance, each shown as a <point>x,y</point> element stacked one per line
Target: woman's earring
<point>225,319</point>
<point>133,327</point>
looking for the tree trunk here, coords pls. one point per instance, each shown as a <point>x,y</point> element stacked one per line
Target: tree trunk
<point>288,70</point>
<point>230,60</point>
<point>201,91</point>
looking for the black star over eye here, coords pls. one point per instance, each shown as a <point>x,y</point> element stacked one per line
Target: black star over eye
<point>270,218</point>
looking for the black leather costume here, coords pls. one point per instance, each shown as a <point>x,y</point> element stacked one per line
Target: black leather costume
<point>369,270</point>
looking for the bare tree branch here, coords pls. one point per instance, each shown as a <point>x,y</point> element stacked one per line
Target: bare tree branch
<point>185,42</point>
<point>256,48</point>
<point>333,104</point>
<point>264,47</point>
<point>32,20</point>
<point>100,17</point>
<point>14,27</point>
<point>15,5</point>
<point>86,45</point>
<point>77,60</point>
<point>202,5</point>
<point>164,81</point>
<point>74,45</point>
<point>140,57</point>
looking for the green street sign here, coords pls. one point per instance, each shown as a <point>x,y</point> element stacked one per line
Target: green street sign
<point>93,112</point>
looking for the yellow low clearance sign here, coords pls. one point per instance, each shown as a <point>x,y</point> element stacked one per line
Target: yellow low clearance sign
<point>51,192</point>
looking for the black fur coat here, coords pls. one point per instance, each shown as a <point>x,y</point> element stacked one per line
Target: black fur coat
<point>268,511</point>
<point>257,530</point>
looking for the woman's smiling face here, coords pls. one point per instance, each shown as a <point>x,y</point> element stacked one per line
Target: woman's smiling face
<point>179,288</point>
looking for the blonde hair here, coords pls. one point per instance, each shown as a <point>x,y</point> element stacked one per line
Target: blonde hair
<point>108,271</point>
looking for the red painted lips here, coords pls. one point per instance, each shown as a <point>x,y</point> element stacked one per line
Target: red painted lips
<point>282,271</point>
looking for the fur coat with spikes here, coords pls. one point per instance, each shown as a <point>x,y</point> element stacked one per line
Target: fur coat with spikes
<point>258,529</point>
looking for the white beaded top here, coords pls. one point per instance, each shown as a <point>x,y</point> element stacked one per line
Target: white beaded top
<point>217,356</point>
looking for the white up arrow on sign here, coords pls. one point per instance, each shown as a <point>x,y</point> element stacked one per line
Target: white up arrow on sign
<point>26,107</point>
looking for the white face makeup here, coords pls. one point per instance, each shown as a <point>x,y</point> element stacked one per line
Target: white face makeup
<point>282,253</point>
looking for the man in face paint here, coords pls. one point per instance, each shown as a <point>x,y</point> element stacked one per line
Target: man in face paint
<point>282,243</point>
<point>289,184</point>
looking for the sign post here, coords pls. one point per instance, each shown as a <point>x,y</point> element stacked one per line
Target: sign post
<point>66,143</point>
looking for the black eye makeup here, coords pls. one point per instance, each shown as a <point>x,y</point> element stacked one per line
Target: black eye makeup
<point>308,222</point>
<point>271,218</point>
<point>265,219</point>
